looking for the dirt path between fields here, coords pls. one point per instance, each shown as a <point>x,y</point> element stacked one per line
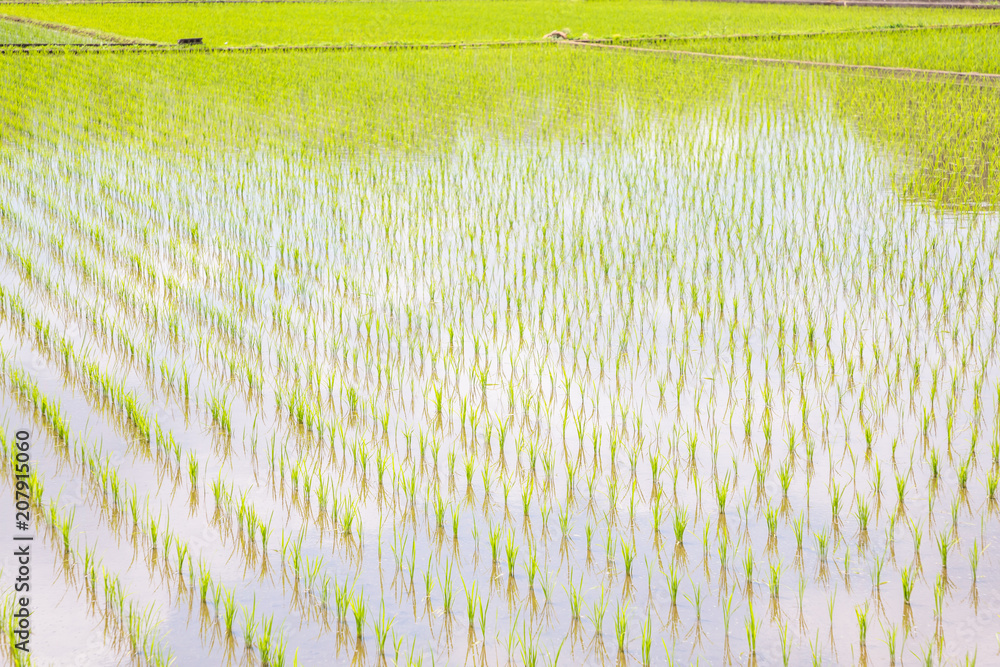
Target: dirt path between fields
<point>143,46</point>
<point>877,30</point>
<point>105,37</point>
<point>916,4</point>
<point>809,64</point>
<point>160,47</point>
<point>906,4</point>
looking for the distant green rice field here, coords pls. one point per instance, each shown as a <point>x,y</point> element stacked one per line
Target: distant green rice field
<point>12,32</point>
<point>468,20</point>
<point>956,50</point>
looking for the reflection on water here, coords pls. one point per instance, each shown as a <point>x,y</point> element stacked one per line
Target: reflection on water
<point>488,337</point>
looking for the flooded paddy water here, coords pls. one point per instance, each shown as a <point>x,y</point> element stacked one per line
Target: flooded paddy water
<point>506,356</point>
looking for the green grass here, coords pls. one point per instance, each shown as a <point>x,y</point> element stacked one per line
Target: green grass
<point>469,20</point>
<point>955,49</point>
<point>12,32</point>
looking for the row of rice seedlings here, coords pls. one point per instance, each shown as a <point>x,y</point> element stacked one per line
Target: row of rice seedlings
<point>135,625</point>
<point>129,404</point>
<point>103,476</point>
<point>192,466</point>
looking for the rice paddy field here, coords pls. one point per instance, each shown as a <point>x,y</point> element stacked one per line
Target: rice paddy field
<point>221,23</point>
<point>555,353</point>
<point>13,32</point>
<point>958,49</point>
